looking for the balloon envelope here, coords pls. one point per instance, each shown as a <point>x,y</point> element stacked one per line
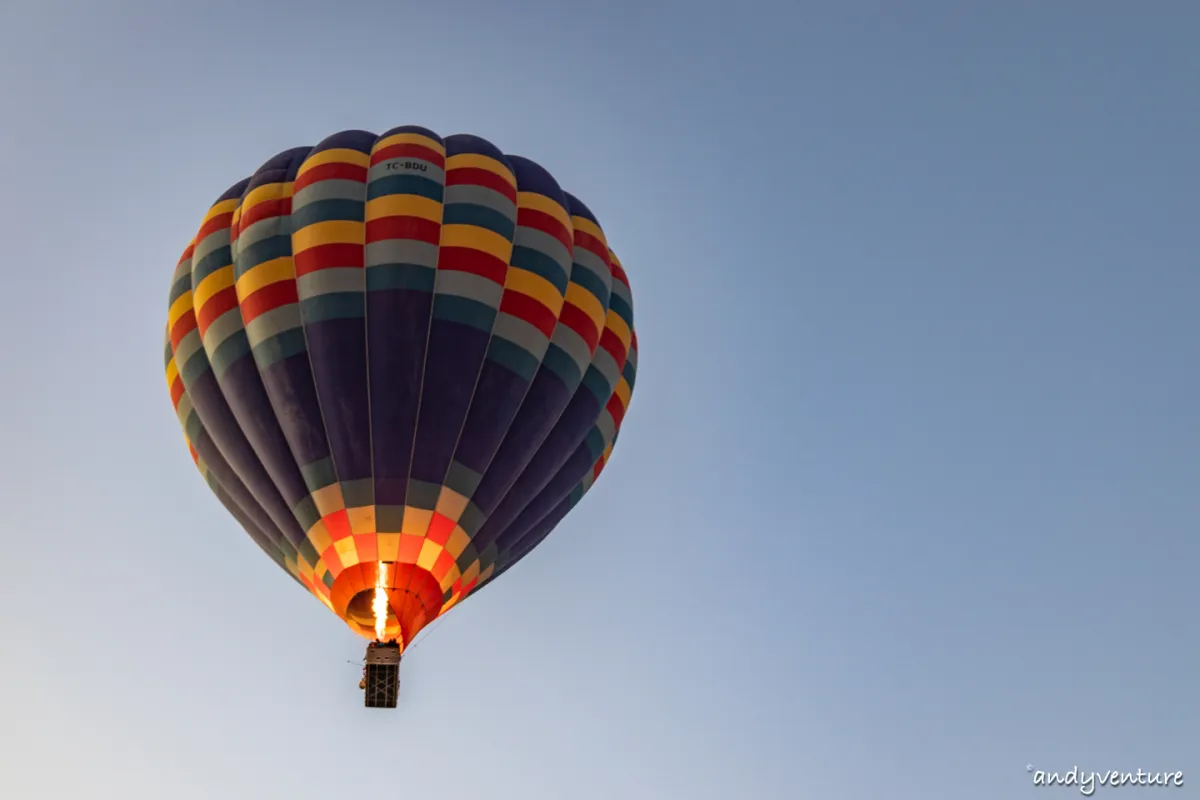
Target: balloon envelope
<point>399,349</point>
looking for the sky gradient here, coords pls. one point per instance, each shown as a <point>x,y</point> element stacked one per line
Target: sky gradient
<point>906,497</point>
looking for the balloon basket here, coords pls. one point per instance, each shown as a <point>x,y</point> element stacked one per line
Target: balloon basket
<point>382,676</point>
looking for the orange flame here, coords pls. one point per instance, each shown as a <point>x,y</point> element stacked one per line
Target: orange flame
<point>380,606</point>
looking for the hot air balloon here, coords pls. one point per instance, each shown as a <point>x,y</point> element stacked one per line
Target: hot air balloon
<point>399,361</point>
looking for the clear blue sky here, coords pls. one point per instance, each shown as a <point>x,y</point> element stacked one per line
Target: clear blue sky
<point>907,495</point>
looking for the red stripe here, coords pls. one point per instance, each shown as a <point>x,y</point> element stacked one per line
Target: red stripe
<point>176,391</point>
<point>633,340</point>
<point>338,524</point>
<point>597,469</point>
<point>474,176</point>
<point>338,170</point>
<point>187,253</point>
<point>183,326</point>
<point>365,544</point>
<point>619,274</point>
<point>477,262</point>
<point>610,342</point>
<point>269,297</point>
<point>219,222</point>
<point>410,150</point>
<point>616,409</point>
<point>410,548</point>
<point>279,207</point>
<point>325,256</point>
<point>215,306</point>
<point>440,528</point>
<point>589,242</point>
<point>403,227</point>
<point>541,221</point>
<point>574,318</point>
<point>195,455</point>
<point>333,563</point>
<point>441,567</point>
<point>530,309</point>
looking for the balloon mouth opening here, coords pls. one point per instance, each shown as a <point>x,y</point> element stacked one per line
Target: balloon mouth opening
<point>408,596</point>
<point>362,611</point>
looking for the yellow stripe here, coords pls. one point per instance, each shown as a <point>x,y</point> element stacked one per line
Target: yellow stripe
<point>477,238</point>
<point>362,519</point>
<point>387,546</point>
<point>450,504</point>
<point>535,286</point>
<point>223,207</point>
<point>457,542</point>
<point>213,283</point>
<point>339,155</point>
<point>587,226</point>
<point>449,578</point>
<point>328,499</point>
<point>471,573</point>
<point>607,453</point>
<point>430,550</point>
<point>266,193</point>
<point>613,258</point>
<point>172,372</point>
<point>586,302</point>
<point>181,306</point>
<point>416,521</point>
<point>623,392</point>
<point>319,537</point>
<point>618,326</point>
<point>347,551</point>
<point>465,160</point>
<point>264,274</point>
<point>333,232</point>
<point>404,205</point>
<point>409,138</point>
<point>539,202</point>
<point>237,214</point>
